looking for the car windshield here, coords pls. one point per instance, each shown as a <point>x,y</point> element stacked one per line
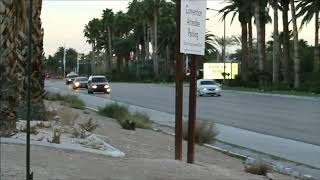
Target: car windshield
<point>82,79</point>
<point>72,76</point>
<point>207,83</point>
<point>99,79</point>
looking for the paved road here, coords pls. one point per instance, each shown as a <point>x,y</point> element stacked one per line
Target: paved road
<point>292,118</point>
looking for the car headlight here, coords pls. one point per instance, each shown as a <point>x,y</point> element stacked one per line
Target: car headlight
<point>69,79</point>
<point>94,86</point>
<point>109,90</point>
<point>77,84</point>
<point>106,86</point>
<point>204,89</point>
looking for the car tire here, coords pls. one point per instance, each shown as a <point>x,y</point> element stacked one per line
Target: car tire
<point>219,95</point>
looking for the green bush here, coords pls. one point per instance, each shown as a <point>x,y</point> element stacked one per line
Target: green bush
<point>115,110</point>
<point>72,100</point>
<point>53,96</point>
<point>125,118</point>
<point>205,132</point>
<point>258,169</point>
<point>142,120</point>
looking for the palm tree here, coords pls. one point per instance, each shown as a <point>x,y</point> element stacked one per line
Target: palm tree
<point>276,46</point>
<point>107,21</point>
<point>92,32</point>
<point>296,59</point>
<point>285,38</point>
<point>310,9</point>
<point>37,64</point>
<point>261,18</point>
<point>242,8</point>
<point>222,43</point>
<point>12,16</point>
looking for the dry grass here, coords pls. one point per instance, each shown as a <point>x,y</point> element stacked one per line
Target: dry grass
<point>89,125</point>
<point>205,132</point>
<point>258,169</point>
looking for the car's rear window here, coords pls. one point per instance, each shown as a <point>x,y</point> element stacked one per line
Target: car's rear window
<point>99,79</point>
<point>82,79</point>
<point>72,76</point>
<point>207,83</point>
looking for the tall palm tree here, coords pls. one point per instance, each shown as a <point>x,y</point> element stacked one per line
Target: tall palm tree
<point>107,22</point>
<point>296,59</point>
<point>276,43</point>
<point>222,43</point>
<point>37,64</point>
<point>285,38</point>
<point>310,9</point>
<point>12,16</point>
<point>261,18</point>
<point>92,32</point>
<point>240,7</point>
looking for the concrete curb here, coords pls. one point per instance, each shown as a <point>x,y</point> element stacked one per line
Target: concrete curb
<point>113,152</point>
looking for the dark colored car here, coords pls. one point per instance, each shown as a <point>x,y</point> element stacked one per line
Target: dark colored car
<point>98,84</point>
<point>70,78</point>
<point>80,82</point>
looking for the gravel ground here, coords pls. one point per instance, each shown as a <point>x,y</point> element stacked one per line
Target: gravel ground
<point>149,156</point>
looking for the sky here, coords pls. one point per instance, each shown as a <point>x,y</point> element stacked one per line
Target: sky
<point>64,21</point>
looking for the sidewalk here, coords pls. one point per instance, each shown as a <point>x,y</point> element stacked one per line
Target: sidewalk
<point>149,156</point>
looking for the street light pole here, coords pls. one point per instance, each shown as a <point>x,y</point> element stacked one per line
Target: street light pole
<point>224,43</point>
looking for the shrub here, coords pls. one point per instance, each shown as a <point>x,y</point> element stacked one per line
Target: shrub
<point>258,169</point>
<point>74,102</point>
<point>115,110</point>
<point>125,118</point>
<point>53,96</point>
<point>141,120</point>
<point>89,126</point>
<point>205,132</point>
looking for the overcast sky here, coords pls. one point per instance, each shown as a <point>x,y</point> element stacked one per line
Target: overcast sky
<point>64,21</point>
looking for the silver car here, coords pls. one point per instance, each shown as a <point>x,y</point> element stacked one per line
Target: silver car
<point>208,87</point>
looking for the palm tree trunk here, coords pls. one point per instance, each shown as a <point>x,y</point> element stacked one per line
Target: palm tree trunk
<point>110,50</point>
<point>296,47</point>
<point>276,47</point>
<point>285,55</point>
<point>37,76</point>
<point>250,60</point>
<point>12,15</point>
<point>244,52</point>
<point>155,49</point>
<point>316,65</point>
<point>259,35</point>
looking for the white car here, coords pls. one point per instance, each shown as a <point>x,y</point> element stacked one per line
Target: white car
<point>208,87</point>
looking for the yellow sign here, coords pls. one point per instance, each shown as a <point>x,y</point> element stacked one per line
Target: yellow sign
<point>216,70</point>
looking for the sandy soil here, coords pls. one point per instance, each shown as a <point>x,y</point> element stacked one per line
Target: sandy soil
<point>149,156</point>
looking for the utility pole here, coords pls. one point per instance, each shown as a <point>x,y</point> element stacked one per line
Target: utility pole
<point>64,61</point>
<point>179,88</point>
<point>29,175</point>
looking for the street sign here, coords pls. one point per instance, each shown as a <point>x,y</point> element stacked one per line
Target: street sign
<point>193,26</point>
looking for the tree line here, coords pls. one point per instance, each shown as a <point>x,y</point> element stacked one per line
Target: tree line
<point>149,26</point>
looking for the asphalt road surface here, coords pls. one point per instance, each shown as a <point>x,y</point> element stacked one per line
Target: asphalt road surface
<point>286,117</point>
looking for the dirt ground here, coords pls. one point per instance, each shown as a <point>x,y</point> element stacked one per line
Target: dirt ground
<point>149,156</point>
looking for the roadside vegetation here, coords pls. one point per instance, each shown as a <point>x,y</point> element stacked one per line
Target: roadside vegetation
<point>258,169</point>
<point>71,100</point>
<point>205,132</point>
<point>126,119</point>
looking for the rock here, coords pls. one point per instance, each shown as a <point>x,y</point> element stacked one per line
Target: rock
<point>308,177</point>
<point>57,118</point>
<point>86,111</point>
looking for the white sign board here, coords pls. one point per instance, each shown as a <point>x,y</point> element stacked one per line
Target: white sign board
<point>193,26</point>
